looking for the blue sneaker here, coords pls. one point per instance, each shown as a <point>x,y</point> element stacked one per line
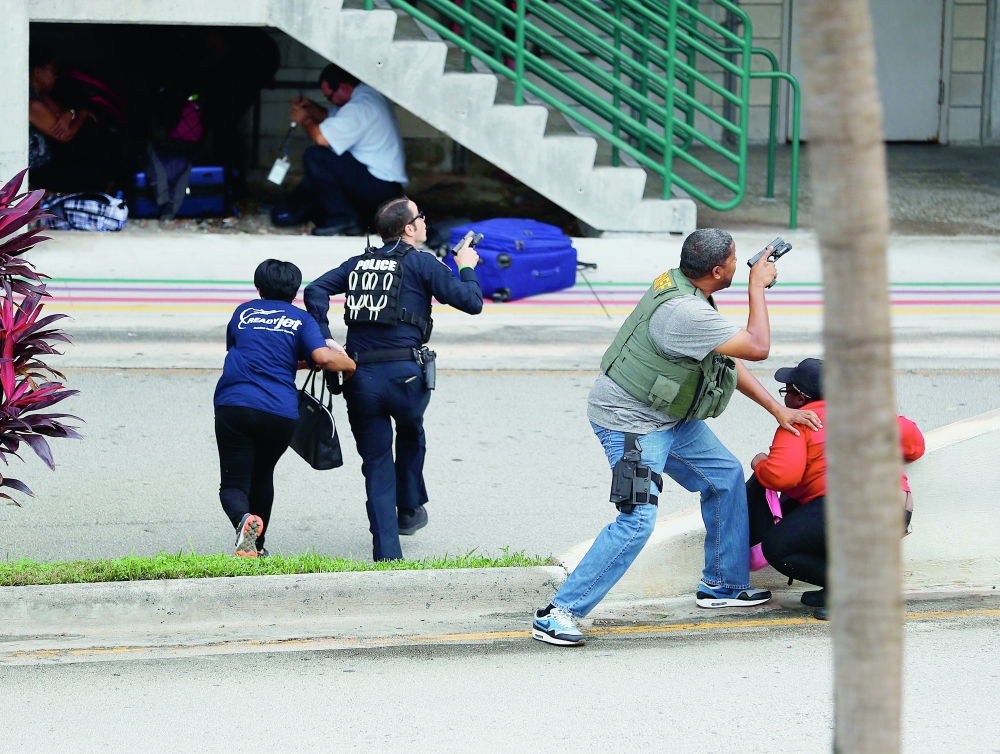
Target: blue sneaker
<point>556,627</point>
<point>720,596</point>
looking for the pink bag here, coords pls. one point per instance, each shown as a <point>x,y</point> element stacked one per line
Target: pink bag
<point>757,560</point>
<point>189,126</point>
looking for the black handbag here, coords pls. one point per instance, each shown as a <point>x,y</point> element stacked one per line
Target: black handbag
<point>315,437</point>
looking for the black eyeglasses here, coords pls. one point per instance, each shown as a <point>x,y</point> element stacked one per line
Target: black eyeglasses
<point>791,389</point>
<point>420,216</point>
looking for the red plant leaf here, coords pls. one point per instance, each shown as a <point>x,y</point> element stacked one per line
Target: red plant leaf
<point>17,219</point>
<point>9,190</point>
<point>49,319</point>
<point>25,335</point>
<point>12,500</point>
<point>53,335</point>
<point>24,287</point>
<point>17,484</point>
<point>41,447</point>
<point>19,244</point>
<point>20,268</point>
<point>60,431</point>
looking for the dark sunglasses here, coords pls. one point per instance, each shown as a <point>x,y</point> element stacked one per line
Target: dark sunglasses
<point>420,216</point>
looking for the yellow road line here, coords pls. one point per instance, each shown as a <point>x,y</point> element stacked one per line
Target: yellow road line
<point>700,626</point>
<point>952,614</point>
<point>332,642</point>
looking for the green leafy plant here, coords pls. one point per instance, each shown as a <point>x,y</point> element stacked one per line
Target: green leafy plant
<point>29,385</point>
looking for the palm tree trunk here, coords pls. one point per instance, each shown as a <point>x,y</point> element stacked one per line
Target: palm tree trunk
<point>864,518</point>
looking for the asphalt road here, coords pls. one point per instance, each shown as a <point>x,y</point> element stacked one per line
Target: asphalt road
<point>732,689</point>
<point>512,462</point>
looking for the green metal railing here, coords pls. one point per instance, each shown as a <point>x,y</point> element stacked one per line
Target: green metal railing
<point>642,75</point>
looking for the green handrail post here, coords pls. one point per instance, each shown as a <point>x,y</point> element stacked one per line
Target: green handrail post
<point>772,137</point>
<point>668,123</point>
<point>772,126</point>
<point>793,200</point>
<point>519,55</point>
<point>498,28</point>
<point>369,4</point>
<point>692,59</point>
<point>616,98</point>
<point>468,38</point>
<point>643,86</point>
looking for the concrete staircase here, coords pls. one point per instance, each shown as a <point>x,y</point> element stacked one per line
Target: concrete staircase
<point>529,142</point>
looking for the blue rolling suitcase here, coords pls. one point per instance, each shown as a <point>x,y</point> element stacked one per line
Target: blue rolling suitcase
<point>520,258</point>
<point>206,194</point>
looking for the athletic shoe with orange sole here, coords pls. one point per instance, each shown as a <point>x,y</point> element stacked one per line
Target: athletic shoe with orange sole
<point>250,528</point>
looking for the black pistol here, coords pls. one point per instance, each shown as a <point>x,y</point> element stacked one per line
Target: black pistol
<point>474,239</point>
<point>779,247</point>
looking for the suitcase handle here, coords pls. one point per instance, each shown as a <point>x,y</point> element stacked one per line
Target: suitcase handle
<point>545,273</point>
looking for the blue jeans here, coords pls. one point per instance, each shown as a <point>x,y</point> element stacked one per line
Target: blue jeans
<point>692,456</point>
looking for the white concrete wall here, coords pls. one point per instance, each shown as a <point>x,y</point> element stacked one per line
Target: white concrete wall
<point>186,12</point>
<point>14,88</point>
<point>954,543</point>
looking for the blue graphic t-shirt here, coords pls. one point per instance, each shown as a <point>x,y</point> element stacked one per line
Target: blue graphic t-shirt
<point>265,341</point>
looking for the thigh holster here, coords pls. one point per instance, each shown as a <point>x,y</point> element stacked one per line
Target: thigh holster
<point>631,480</point>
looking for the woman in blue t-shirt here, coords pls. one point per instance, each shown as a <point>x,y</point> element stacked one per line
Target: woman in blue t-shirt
<point>256,401</point>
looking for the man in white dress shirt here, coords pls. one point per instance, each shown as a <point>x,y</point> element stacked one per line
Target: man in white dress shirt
<point>358,162</point>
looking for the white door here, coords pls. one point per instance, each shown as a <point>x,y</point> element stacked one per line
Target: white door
<point>908,65</point>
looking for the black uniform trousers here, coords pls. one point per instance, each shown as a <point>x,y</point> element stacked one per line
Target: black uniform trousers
<point>377,395</point>
<point>346,191</point>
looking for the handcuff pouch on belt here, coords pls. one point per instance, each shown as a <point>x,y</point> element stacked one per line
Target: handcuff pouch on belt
<point>631,480</point>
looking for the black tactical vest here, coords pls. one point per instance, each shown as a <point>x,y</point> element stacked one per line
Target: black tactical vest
<point>373,291</point>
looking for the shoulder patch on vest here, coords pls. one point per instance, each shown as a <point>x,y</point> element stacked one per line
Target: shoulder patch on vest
<point>663,283</point>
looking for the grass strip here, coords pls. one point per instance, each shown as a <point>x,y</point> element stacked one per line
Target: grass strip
<point>180,566</point>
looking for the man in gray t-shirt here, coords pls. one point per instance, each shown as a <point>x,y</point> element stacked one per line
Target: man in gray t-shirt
<point>684,327</point>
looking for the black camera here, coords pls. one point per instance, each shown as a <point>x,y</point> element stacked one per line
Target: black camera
<point>779,247</point>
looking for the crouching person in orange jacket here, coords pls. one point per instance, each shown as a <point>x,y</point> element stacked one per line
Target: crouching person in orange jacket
<point>795,467</point>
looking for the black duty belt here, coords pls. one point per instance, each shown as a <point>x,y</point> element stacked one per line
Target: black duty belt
<point>383,355</point>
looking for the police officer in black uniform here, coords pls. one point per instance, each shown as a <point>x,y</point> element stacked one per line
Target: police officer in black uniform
<point>388,315</point>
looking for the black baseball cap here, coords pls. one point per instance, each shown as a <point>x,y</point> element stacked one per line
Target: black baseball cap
<point>807,377</point>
